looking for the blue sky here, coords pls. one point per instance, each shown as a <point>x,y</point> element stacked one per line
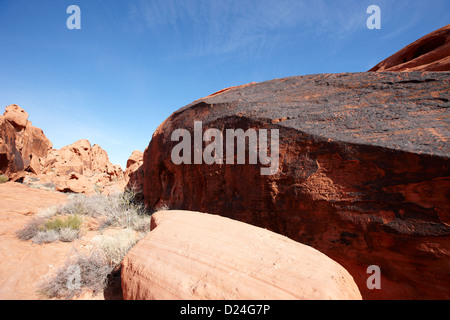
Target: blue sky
<point>133,63</point>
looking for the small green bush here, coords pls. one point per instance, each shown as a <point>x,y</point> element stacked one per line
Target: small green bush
<point>3,178</point>
<point>71,222</point>
<point>44,230</point>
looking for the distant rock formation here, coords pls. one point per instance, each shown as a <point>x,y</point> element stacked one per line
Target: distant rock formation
<point>191,255</point>
<point>429,53</point>
<point>134,174</point>
<point>364,172</point>
<point>27,155</point>
<point>21,144</point>
<point>79,168</point>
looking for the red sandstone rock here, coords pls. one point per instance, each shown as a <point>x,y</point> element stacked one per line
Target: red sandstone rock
<point>79,168</point>
<point>135,158</point>
<point>16,116</point>
<point>191,255</point>
<point>21,144</point>
<point>100,163</point>
<point>134,173</point>
<point>364,172</point>
<point>26,154</point>
<point>429,53</point>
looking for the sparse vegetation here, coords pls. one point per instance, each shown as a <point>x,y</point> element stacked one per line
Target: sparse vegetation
<point>68,234</point>
<point>47,230</point>
<point>3,178</point>
<point>85,271</point>
<point>118,210</point>
<point>31,229</point>
<point>114,247</point>
<point>91,271</point>
<point>123,222</point>
<point>46,236</point>
<point>70,222</point>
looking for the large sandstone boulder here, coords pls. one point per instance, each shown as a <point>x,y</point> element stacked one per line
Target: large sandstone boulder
<point>21,144</point>
<point>429,53</point>
<point>363,173</point>
<point>191,255</point>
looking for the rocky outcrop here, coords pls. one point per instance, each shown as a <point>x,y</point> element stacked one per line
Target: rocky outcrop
<point>21,144</point>
<point>429,53</point>
<point>79,168</point>
<point>363,171</point>
<point>134,173</point>
<point>191,255</point>
<point>26,155</point>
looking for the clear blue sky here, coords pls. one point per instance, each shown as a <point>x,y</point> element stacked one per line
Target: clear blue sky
<point>133,63</point>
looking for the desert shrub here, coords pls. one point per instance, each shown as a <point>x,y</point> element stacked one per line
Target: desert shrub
<point>90,271</point>
<point>70,222</point>
<point>68,234</point>
<point>48,212</point>
<point>3,178</point>
<point>114,247</point>
<point>44,230</point>
<point>47,236</point>
<point>84,271</point>
<point>31,229</point>
<point>119,210</point>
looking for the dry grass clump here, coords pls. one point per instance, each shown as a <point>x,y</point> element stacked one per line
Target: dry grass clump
<point>118,210</point>
<point>41,230</point>
<point>114,247</point>
<point>91,271</point>
<point>31,229</point>
<point>85,271</point>
<point>68,234</point>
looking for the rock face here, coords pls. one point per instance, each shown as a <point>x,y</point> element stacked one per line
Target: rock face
<point>191,255</point>
<point>363,171</point>
<point>429,53</point>
<point>21,144</point>
<point>134,173</point>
